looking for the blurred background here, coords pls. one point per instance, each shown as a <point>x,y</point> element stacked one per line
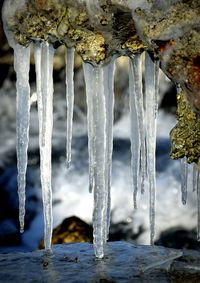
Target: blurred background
<point>72,203</point>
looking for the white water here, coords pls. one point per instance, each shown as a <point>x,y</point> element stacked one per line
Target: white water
<point>22,66</point>
<point>44,76</point>
<point>151,94</point>
<point>70,100</point>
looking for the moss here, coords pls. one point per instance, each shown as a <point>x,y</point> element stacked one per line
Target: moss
<point>185,136</point>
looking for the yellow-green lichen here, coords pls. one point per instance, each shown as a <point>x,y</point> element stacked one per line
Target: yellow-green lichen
<point>66,22</point>
<point>185,136</point>
<point>173,20</point>
<point>134,44</point>
<point>92,47</point>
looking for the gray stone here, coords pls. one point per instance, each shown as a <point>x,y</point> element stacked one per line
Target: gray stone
<point>123,262</point>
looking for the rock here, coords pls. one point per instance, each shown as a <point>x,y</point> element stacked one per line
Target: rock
<point>71,230</point>
<point>76,263</point>
<point>123,262</point>
<point>185,136</point>
<point>96,32</point>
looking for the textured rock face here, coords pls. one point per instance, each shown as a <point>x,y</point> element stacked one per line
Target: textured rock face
<point>171,30</point>
<point>99,29</point>
<point>123,263</point>
<point>185,136</point>
<point>96,32</point>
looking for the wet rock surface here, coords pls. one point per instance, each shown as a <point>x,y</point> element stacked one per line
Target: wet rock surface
<point>123,262</point>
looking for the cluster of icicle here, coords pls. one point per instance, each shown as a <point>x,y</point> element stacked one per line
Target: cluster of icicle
<point>100,102</point>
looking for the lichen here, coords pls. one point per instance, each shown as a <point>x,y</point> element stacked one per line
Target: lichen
<point>134,44</point>
<point>185,136</point>
<point>69,23</point>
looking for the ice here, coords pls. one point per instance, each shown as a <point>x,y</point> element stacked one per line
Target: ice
<point>135,136</point>
<point>137,80</point>
<point>44,77</point>
<point>70,100</point>
<point>109,96</point>
<point>195,177</point>
<point>198,208</point>
<point>151,94</point>
<point>99,91</point>
<point>184,180</point>
<point>22,66</point>
<point>94,10</point>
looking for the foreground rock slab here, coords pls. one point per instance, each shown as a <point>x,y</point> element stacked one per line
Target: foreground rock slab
<point>123,262</point>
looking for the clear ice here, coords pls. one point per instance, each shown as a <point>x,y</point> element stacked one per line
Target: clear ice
<point>195,177</point>
<point>135,136</point>
<point>100,99</point>
<point>100,102</point>
<point>22,66</point>
<point>151,95</point>
<point>198,206</point>
<point>138,143</point>
<point>184,180</point>
<point>70,100</point>
<point>44,53</point>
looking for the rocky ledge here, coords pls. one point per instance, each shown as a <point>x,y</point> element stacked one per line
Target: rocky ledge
<point>123,262</point>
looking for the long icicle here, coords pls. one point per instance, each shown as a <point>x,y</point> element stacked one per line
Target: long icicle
<point>89,81</point>
<point>195,174</point>
<point>98,126</point>
<point>70,100</point>
<point>137,69</point>
<point>109,96</point>
<point>44,76</point>
<point>198,206</point>
<point>184,180</point>
<point>22,67</point>
<point>151,91</point>
<point>135,136</point>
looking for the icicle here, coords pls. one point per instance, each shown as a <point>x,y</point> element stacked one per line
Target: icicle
<point>184,179</point>
<point>136,80</point>
<point>88,74</point>
<point>135,137</point>
<point>99,90</point>
<point>198,207</point>
<point>44,76</point>
<point>22,66</point>
<point>109,96</point>
<point>151,91</point>
<point>70,100</point>
<point>93,7</point>
<point>195,177</point>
